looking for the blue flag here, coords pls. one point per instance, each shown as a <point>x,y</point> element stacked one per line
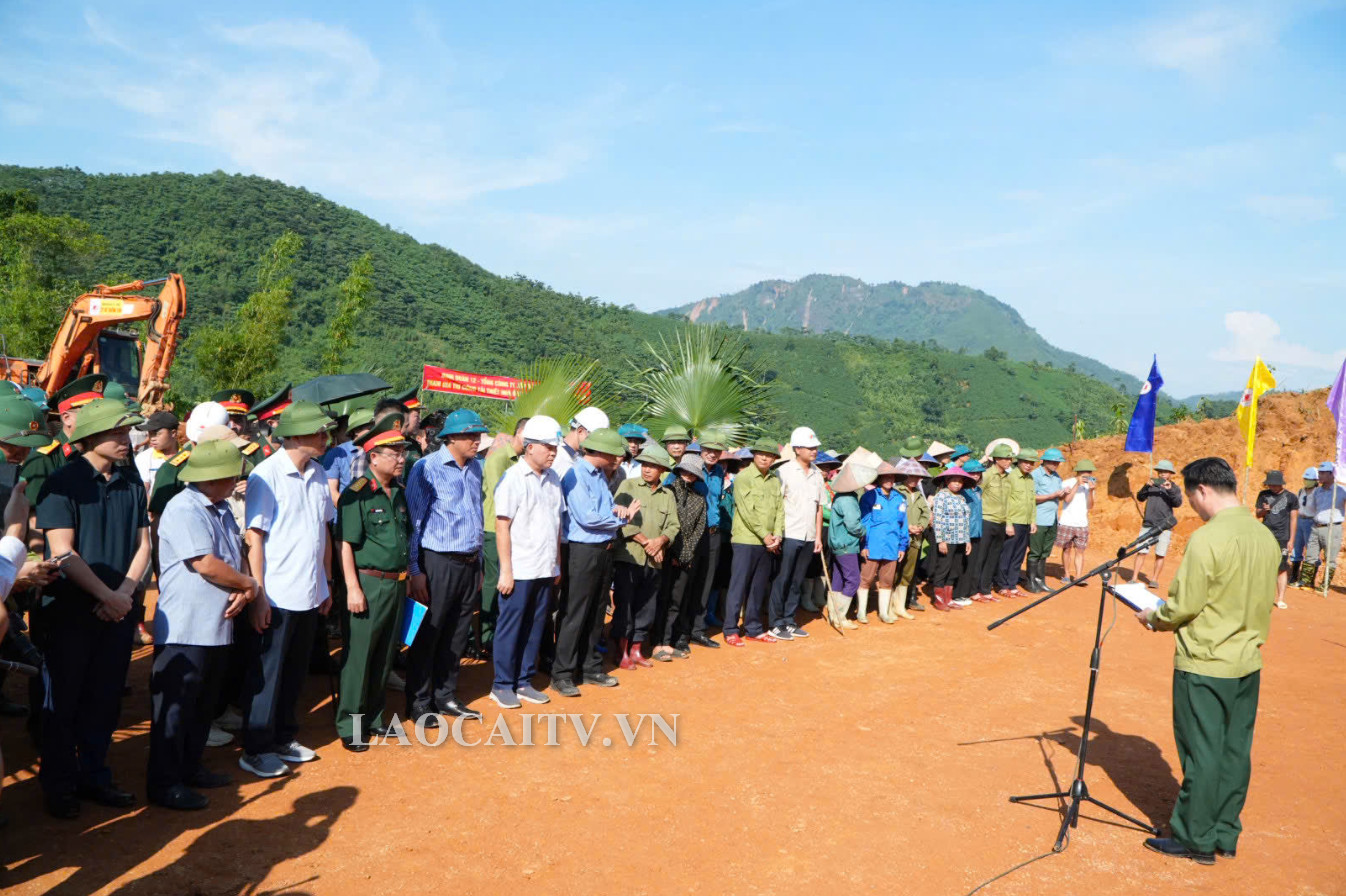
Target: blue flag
<point>1140,434</point>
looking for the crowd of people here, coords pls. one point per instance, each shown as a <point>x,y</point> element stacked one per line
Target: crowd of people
<point>281,524</point>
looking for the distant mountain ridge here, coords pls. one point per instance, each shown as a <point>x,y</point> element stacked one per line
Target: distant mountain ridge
<point>952,316</point>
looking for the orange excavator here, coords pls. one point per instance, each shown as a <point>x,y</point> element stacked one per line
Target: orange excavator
<point>88,342</point>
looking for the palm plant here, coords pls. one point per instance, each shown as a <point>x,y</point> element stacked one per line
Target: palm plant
<point>556,387</point>
<point>702,381</point>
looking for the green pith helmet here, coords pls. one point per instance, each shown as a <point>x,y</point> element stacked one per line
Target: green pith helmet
<point>1026,454</point>
<point>359,417</point>
<point>653,454</point>
<point>676,434</point>
<point>605,441</point>
<point>1165,466</point>
<point>209,461</point>
<point>303,418</point>
<point>713,443</point>
<point>913,447</point>
<point>102,415</point>
<point>1002,450</point>
<point>765,446</point>
<point>1084,466</point>
<point>22,423</point>
<point>77,393</point>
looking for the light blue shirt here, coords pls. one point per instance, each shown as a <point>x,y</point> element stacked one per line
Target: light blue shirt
<point>340,463</point>
<point>190,609</point>
<point>1045,483</point>
<point>292,509</point>
<point>444,500</point>
<point>589,517</point>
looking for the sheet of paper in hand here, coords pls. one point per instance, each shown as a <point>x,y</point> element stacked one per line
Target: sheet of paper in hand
<point>1136,596</point>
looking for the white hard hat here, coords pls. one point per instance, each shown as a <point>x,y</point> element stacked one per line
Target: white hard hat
<point>544,429</point>
<point>803,437</point>
<point>590,419</point>
<point>207,413</point>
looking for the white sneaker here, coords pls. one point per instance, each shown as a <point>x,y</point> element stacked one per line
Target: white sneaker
<point>229,720</point>
<point>294,751</point>
<point>963,601</point>
<point>263,765</point>
<point>1282,605</point>
<point>396,682</point>
<point>218,737</point>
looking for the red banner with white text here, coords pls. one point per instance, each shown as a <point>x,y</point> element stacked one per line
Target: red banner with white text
<point>478,385</point>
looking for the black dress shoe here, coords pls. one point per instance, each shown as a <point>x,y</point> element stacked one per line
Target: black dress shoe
<point>602,679</point>
<point>353,745</point>
<point>1225,853</point>
<point>181,798</point>
<point>455,709</point>
<point>107,795</point>
<point>207,780</point>
<point>565,687</point>
<point>65,806</point>
<point>430,714</point>
<point>703,641</point>
<point>1167,846</point>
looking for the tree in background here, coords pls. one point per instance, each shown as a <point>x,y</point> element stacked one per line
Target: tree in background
<point>243,355</point>
<point>45,262</point>
<point>355,292</point>
<point>703,382</point>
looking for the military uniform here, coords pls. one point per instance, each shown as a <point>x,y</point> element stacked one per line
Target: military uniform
<point>264,413</point>
<point>166,482</point>
<point>374,521</point>
<point>44,461</point>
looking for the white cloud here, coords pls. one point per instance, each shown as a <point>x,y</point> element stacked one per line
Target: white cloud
<point>1252,333</point>
<point>1291,209</point>
<point>1204,44</point>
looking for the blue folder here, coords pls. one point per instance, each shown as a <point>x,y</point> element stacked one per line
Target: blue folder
<point>413,614</point>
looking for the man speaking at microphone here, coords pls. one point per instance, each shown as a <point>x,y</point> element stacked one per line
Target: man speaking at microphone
<point>1219,608</point>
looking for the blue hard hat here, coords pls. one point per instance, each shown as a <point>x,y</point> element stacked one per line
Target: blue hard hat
<point>1053,454</point>
<point>694,447</point>
<point>462,422</point>
<point>35,395</point>
<point>632,431</point>
<point>974,466</point>
<point>960,450</point>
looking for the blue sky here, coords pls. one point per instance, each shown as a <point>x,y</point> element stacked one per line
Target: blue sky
<point>1132,177</point>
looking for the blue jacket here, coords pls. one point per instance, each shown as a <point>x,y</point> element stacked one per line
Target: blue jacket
<point>845,532</point>
<point>885,521</point>
<point>973,498</point>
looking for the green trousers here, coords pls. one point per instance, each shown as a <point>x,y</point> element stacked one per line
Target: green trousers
<point>375,638</point>
<point>1213,722</point>
<point>1040,543</point>
<point>490,577</point>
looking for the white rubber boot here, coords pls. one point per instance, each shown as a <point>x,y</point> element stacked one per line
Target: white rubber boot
<point>837,604</point>
<point>885,602</point>
<point>862,606</point>
<point>900,603</point>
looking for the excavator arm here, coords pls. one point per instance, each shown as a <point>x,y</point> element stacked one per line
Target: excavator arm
<point>75,350</point>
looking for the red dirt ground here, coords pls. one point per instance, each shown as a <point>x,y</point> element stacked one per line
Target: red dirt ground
<point>878,760</point>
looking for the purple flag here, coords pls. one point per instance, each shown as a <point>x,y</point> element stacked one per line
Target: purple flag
<point>1336,403</point>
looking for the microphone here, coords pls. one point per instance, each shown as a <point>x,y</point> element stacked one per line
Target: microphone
<point>20,668</point>
<point>1145,539</point>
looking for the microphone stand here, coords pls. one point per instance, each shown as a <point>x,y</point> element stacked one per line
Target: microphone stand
<point>1078,794</point>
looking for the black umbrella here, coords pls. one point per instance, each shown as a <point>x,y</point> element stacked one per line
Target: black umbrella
<point>336,387</point>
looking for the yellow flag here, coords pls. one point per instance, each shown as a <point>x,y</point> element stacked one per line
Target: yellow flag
<point>1259,381</point>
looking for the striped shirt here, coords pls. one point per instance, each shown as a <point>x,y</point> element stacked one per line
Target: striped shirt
<point>444,500</point>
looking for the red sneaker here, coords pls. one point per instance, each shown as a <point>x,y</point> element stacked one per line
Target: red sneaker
<point>764,637</point>
<point>734,641</point>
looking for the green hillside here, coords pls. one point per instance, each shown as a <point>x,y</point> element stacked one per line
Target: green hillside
<point>434,306</point>
<point>955,317</point>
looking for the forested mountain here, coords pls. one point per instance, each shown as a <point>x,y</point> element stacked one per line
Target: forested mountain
<point>953,316</point>
<point>431,305</point>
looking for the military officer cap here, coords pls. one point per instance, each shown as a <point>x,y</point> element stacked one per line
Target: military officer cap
<point>218,459</point>
<point>22,423</point>
<point>77,393</point>
<point>387,433</point>
<point>102,415</point>
<point>272,405</point>
<point>410,399</point>
<point>235,401</point>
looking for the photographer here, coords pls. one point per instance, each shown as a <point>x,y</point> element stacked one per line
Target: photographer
<point>1219,609</point>
<point>1161,496</point>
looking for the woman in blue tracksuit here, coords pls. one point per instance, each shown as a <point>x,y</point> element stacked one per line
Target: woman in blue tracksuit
<point>883,511</point>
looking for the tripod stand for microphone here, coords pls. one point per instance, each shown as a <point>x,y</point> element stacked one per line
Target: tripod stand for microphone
<point>1078,793</point>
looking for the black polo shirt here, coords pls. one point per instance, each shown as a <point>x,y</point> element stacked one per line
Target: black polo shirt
<point>107,515</point>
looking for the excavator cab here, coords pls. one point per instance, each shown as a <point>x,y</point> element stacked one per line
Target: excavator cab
<point>119,358</point>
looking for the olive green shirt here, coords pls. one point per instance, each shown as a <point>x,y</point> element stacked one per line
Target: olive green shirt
<point>995,495</point>
<point>1023,503</point>
<point>376,525</point>
<point>1220,601</point>
<point>759,507</point>
<point>918,509</point>
<point>492,471</point>
<point>658,515</point>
